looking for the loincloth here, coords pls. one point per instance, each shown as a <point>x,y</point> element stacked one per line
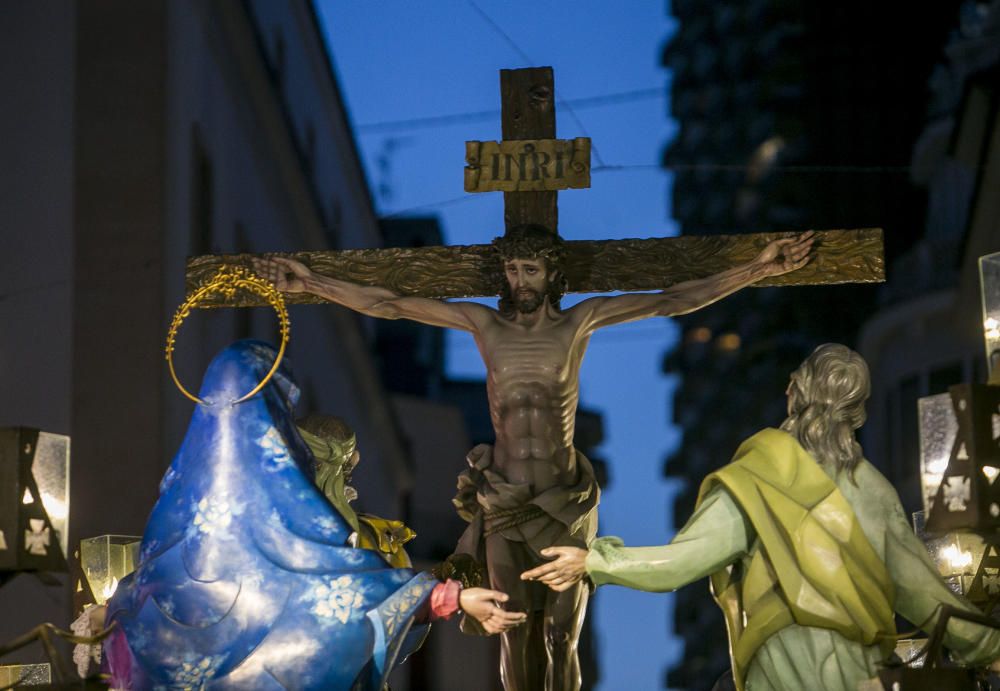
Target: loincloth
<point>559,516</point>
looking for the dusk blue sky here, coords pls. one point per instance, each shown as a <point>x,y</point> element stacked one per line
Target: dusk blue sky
<point>399,60</point>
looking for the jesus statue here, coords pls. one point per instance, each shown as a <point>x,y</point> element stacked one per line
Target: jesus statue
<point>532,489</point>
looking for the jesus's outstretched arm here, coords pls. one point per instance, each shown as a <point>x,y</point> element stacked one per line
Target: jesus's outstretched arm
<point>779,257</point>
<point>290,276</point>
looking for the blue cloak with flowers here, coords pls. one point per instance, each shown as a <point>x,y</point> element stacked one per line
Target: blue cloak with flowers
<point>246,578</point>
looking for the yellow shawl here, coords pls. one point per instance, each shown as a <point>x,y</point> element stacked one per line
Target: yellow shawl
<point>811,564</point>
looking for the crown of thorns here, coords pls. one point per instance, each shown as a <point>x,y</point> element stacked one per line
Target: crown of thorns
<point>531,242</point>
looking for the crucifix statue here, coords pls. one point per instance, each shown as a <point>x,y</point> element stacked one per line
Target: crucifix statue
<point>532,490</point>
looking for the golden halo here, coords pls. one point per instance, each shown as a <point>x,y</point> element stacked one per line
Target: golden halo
<point>227,281</point>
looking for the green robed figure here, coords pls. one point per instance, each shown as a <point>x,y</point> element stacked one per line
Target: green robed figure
<point>807,546</point>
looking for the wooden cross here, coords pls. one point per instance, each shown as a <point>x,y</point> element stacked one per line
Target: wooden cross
<point>518,165</point>
<point>529,165</point>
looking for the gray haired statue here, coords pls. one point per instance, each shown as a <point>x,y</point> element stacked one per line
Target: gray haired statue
<point>808,549</point>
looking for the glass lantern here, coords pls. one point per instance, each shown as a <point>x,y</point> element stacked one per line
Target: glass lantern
<point>938,429</point>
<point>957,555</point>
<point>989,283</point>
<point>25,675</point>
<point>34,500</point>
<point>106,560</point>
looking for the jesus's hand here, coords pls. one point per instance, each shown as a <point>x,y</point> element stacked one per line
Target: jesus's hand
<point>566,568</point>
<point>287,275</point>
<point>786,255</point>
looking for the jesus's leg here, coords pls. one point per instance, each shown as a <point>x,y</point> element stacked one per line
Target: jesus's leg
<point>564,614</point>
<point>522,649</point>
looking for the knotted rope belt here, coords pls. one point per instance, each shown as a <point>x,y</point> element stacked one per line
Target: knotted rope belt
<point>502,519</point>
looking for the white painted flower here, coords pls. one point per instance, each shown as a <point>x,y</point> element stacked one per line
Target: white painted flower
<point>340,599</point>
<point>213,514</point>
<point>193,675</point>
<point>167,606</point>
<point>326,524</point>
<point>354,557</point>
<point>169,478</point>
<point>398,608</point>
<point>139,638</point>
<point>149,548</point>
<point>275,451</point>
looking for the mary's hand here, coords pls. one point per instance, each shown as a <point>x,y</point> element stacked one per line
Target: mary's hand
<point>484,606</point>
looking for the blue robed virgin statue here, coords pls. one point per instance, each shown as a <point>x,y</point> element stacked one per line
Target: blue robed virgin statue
<point>247,577</point>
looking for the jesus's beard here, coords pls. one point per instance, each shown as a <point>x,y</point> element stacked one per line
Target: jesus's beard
<point>527,300</point>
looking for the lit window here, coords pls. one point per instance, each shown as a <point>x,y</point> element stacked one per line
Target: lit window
<point>701,334</point>
<point>728,342</point>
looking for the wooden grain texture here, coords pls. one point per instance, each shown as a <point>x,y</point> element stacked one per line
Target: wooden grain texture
<point>527,111</point>
<point>462,271</point>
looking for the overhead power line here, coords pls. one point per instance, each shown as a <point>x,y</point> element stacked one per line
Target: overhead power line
<point>432,205</point>
<point>506,37</point>
<point>484,115</point>
<point>655,167</point>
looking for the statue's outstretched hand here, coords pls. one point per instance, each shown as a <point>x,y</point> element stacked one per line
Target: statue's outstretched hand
<point>568,566</point>
<point>287,275</point>
<point>484,606</point>
<point>786,255</point>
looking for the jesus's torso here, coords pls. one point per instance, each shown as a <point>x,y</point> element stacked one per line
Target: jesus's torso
<point>533,387</point>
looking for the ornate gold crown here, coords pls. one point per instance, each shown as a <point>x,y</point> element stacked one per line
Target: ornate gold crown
<point>227,281</point>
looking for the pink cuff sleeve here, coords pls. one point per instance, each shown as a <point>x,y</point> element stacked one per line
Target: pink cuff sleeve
<point>444,599</point>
